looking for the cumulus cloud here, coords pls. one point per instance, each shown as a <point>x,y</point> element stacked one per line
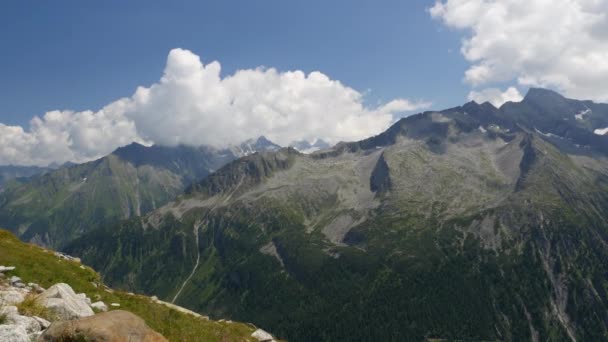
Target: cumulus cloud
<point>192,104</point>
<point>496,96</point>
<point>561,44</point>
<point>61,136</point>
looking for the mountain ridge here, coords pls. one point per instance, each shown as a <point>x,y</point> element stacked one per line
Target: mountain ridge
<point>470,223</point>
<point>59,205</point>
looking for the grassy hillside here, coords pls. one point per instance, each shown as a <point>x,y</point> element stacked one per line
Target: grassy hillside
<point>35,264</point>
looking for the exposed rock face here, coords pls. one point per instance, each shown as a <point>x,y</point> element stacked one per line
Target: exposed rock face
<point>115,326</point>
<point>63,302</point>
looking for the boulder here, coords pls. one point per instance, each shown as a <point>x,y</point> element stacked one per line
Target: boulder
<point>100,306</point>
<point>262,336</point>
<point>12,317</point>
<point>13,333</point>
<point>115,325</point>
<point>11,296</point>
<point>61,300</point>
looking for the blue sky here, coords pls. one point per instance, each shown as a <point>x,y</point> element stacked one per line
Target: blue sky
<point>84,54</point>
<point>81,78</point>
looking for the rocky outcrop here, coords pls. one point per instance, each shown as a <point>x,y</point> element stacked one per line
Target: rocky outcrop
<point>64,303</point>
<point>115,325</point>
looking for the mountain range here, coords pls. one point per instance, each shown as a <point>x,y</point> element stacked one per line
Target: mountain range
<point>53,207</point>
<point>471,223</point>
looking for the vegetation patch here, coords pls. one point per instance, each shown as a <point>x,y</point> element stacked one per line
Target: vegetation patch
<point>32,307</point>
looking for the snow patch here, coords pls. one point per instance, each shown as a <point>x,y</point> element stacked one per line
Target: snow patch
<point>601,131</point>
<point>548,135</point>
<point>581,115</point>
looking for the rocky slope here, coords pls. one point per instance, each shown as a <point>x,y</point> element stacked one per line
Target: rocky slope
<point>28,312</point>
<point>474,223</point>
<point>54,208</point>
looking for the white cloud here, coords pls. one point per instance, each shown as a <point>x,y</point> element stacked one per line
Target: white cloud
<point>192,104</point>
<point>562,44</point>
<point>496,96</point>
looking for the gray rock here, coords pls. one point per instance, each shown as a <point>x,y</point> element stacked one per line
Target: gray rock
<point>101,306</point>
<point>61,300</point>
<point>11,297</point>
<point>13,333</point>
<point>43,322</point>
<point>85,298</point>
<point>12,317</point>
<point>262,336</point>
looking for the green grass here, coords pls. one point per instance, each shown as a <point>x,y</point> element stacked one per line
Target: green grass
<point>35,264</point>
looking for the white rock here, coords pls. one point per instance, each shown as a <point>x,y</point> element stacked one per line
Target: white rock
<point>30,324</point>
<point>101,306</point>
<point>85,298</point>
<point>6,268</point>
<point>262,336</point>
<point>43,322</point>
<point>35,335</point>
<point>61,300</point>
<point>12,317</point>
<point>13,333</point>
<point>11,297</point>
<point>115,305</point>
<point>9,311</point>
